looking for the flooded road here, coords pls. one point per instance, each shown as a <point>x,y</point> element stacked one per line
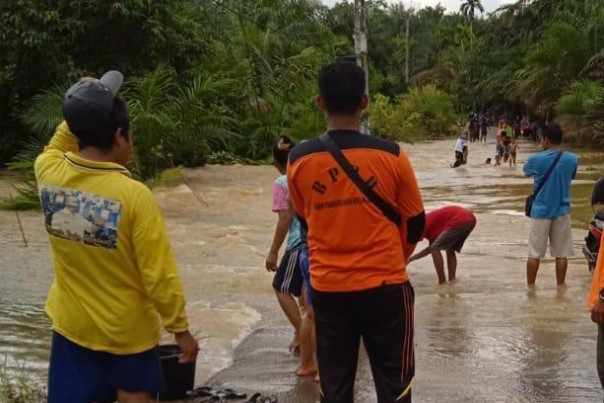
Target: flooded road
<point>485,338</point>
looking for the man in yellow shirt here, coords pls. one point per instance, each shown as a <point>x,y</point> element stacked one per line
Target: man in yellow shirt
<point>115,279</point>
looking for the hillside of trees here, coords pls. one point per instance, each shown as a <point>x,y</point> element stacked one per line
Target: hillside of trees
<point>219,79</point>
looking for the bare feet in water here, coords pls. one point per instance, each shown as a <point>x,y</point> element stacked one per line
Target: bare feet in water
<point>306,372</point>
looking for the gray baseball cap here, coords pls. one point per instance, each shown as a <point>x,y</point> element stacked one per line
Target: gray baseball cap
<point>88,103</point>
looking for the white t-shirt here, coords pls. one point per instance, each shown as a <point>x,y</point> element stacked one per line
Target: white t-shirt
<point>460,144</point>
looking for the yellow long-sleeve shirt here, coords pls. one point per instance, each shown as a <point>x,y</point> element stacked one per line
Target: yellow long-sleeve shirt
<point>115,275</point>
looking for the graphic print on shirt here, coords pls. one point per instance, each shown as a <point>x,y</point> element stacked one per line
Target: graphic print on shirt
<point>81,217</point>
<point>323,186</point>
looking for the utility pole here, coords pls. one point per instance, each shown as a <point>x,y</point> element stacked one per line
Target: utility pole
<point>360,46</point>
<point>407,39</point>
<point>407,49</point>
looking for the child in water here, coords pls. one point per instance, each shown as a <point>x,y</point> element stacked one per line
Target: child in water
<point>513,149</point>
<point>506,147</point>
<point>499,148</point>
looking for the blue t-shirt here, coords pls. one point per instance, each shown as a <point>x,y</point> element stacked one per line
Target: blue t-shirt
<point>554,199</point>
<point>280,202</point>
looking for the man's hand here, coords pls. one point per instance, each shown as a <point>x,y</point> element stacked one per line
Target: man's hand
<point>271,261</point>
<point>188,346</point>
<point>411,259</point>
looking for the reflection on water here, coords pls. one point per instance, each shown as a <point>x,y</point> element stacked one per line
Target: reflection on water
<point>24,335</point>
<point>481,339</point>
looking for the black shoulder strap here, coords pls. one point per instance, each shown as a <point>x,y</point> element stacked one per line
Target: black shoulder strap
<point>548,174</point>
<point>373,197</point>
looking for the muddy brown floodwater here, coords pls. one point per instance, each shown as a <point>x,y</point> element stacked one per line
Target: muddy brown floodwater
<point>485,338</point>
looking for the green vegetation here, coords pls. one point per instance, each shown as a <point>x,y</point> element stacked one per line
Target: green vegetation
<point>219,80</point>
<point>19,388</point>
<point>424,113</point>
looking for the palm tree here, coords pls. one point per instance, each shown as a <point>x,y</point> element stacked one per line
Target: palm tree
<point>565,53</point>
<point>468,9</point>
<point>520,22</point>
<point>578,101</point>
<point>594,69</point>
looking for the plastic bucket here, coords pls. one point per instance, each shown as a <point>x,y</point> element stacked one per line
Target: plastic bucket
<point>178,378</point>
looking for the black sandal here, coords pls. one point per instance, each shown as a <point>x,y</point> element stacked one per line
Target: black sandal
<point>215,395</point>
<point>254,398</point>
<point>202,391</point>
<point>259,398</point>
<point>229,394</point>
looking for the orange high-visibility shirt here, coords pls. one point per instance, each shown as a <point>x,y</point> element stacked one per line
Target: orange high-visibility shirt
<point>352,245</point>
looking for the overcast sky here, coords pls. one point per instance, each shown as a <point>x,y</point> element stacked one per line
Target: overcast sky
<point>451,5</point>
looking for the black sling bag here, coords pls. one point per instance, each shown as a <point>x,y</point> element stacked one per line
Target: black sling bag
<point>373,197</point>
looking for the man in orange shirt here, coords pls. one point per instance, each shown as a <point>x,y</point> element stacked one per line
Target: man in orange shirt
<point>357,254</point>
<point>595,302</point>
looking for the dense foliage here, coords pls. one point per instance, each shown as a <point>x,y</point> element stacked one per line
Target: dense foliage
<point>424,113</point>
<point>225,77</point>
<point>203,75</point>
<point>542,58</point>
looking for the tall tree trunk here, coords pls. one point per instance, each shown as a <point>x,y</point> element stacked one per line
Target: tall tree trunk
<point>407,51</point>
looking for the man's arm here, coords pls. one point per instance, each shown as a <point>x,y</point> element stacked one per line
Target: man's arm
<point>410,206</point>
<point>159,272</point>
<point>420,255</point>
<point>157,265</point>
<point>61,142</point>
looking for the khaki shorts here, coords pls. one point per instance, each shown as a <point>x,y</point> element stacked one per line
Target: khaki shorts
<point>559,233</point>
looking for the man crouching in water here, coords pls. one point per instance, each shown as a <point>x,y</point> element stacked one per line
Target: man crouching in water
<point>447,229</point>
<point>461,151</point>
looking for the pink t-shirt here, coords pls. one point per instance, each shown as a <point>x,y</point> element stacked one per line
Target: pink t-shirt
<point>280,195</point>
<point>281,203</point>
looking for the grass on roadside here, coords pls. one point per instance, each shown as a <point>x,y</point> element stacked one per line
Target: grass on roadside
<point>26,199</point>
<point>19,387</point>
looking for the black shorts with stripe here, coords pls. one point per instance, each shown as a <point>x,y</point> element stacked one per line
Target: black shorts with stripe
<point>288,279</point>
<point>383,318</point>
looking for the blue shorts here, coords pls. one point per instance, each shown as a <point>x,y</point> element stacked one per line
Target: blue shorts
<point>78,374</point>
<point>305,268</point>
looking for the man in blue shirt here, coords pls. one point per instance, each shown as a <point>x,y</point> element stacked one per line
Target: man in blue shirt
<point>550,214</point>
